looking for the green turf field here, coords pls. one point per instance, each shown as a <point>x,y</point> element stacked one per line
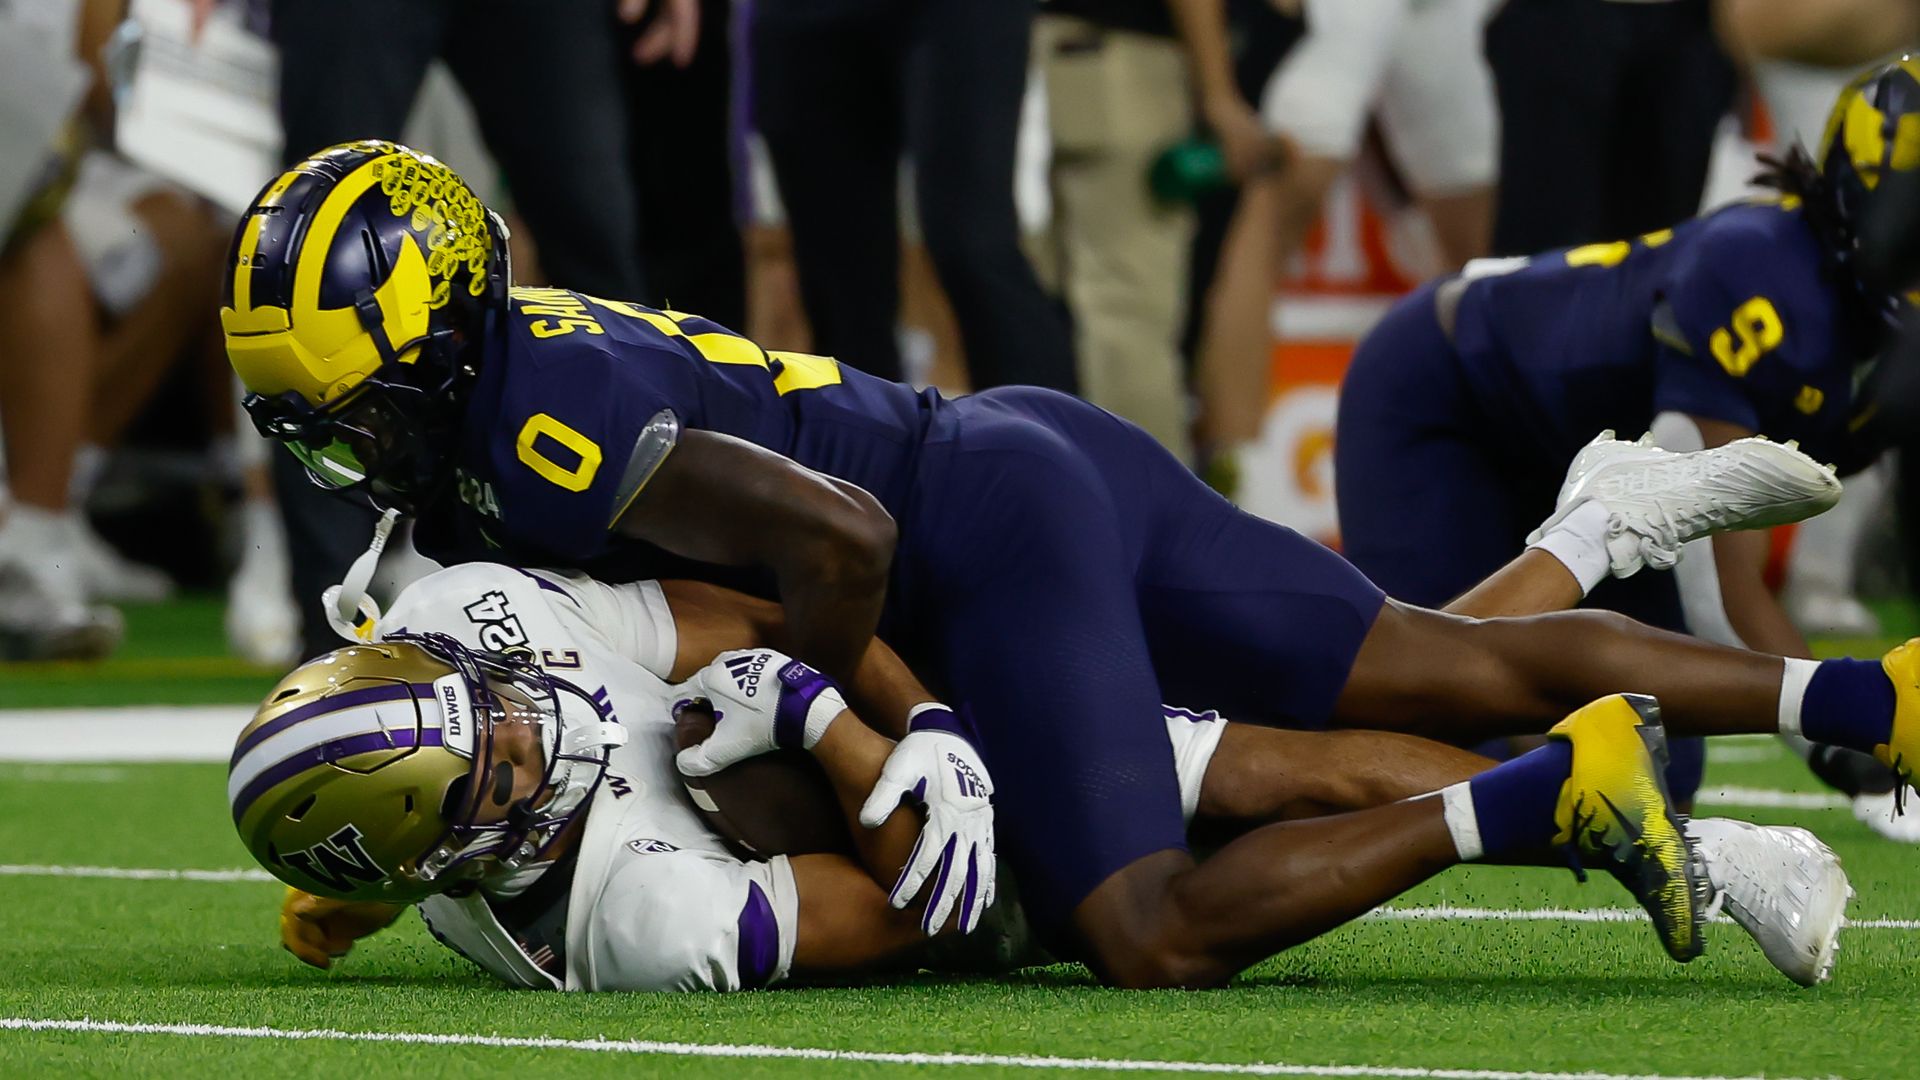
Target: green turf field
<point>193,964</point>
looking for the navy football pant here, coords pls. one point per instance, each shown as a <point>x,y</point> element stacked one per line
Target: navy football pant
<point>1067,575</point>
<point>1433,497</point>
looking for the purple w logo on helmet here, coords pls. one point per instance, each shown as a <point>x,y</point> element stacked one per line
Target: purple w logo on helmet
<point>337,861</point>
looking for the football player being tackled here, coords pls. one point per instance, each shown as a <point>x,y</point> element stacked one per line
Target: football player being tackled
<point>539,816</point>
<point>1047,568</point>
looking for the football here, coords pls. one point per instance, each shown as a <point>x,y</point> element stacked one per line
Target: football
<point>775,804</point>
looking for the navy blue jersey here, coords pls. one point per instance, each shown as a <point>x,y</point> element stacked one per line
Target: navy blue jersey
<point>1731,316</point>
<point>581,397</point>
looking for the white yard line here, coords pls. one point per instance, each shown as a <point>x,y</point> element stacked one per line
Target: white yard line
<point>1743,755</point>
<point>803,1053</point>
<point>1730,795</point>
<point>130,873</point>
<point>62,773</point>
<point>135,733</point>
<point>1586,915</point>
<point>1406,914</point>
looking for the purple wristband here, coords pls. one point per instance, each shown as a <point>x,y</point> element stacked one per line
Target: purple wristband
<point>799,686</point>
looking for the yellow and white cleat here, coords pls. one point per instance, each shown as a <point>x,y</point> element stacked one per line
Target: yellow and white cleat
<point>1901,751</point>
<point>1615,814</point>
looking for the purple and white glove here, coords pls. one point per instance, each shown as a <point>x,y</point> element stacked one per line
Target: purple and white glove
<point>762,701</point>
<point>936,767</point>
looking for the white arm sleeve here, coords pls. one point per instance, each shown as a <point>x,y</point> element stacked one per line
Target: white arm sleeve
<point>1697,573</point>
<point>686,920</point>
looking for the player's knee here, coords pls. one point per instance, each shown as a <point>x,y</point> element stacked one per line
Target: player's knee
<point>1158,965</point>
<point>1138,934</point>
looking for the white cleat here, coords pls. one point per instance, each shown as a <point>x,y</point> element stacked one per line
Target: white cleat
<point>1658,500</point>
<point>1877,811</point>
<point>263,621</point>
<point>109,575</point>
<point>44,613</point>
<point>1782,886</point>
<point>1829,612</point>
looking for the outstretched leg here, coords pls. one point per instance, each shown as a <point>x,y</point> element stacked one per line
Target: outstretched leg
<point>1461,679</point>
<point>1164,921</point>
<point>1454,678</point>
<point>1272,627</point>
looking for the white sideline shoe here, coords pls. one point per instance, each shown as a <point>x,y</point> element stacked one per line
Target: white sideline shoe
<point>44,614</point>
<point>1781,885</point>
<point>1657,500</point>
<point>262,621</point>
<point>1831,612</point>
<point>109,575</point>
<point>1877,812</point>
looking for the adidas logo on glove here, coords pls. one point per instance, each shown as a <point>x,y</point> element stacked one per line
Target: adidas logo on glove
<point>746,672</point>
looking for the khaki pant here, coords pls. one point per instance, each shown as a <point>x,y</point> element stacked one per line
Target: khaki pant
<point>1115,100</point>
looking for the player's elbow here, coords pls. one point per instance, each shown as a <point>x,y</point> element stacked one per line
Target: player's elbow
<point>853,545</point>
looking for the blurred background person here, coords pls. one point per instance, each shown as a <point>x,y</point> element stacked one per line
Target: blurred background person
<point>691,206</point>
<point>1415,68</point>
<point>105,277</point>
<point>841,90</point>
<point>1125,79</point>
<point>1608,110</point>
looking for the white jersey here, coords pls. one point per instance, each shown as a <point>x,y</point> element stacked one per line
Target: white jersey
<point>658,900</point>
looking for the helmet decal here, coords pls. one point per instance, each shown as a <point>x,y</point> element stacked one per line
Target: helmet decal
<point>336,862</point>
<point>437,202</point>
<point>1862,130</point>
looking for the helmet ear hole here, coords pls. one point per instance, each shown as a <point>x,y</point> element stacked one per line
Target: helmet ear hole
<point>455,798</point>
<point>300,811</point>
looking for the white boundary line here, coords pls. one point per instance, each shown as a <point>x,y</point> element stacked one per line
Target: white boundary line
<point>140,733</point>
<point>1729,795</point>
<point>1586,915</point>
<point>128,873</point>
<point>804,1053</point>
<point>1438,913</point>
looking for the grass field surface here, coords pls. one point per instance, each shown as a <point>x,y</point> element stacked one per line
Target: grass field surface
<point>136,939</point>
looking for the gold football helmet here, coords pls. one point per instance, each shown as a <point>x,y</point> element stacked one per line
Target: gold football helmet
<point>374,772</point>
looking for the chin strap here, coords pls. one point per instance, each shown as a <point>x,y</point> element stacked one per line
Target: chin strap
<point>350,611</point>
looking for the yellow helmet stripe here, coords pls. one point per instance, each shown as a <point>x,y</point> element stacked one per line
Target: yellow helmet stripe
<point>250,241</point>
<point>243,271</point>
<point>312,260</point>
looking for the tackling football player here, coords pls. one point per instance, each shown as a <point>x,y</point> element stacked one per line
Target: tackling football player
<point>1464,405</point>
<point>1051,571</point>
<point>535,810</point>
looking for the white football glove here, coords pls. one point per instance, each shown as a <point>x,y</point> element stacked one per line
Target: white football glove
<point>937,768</point>
<point>762,701</point>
